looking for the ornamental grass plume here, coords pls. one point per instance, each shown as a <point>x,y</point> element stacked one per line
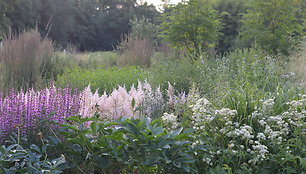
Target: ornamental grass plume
<point>23,110</point>
<point>27,59</point>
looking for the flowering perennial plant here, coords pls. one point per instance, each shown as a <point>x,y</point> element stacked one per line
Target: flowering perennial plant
<point>121,102</point>
<point>170,120</point>
<point>23,110</point>
<point>175,100</point>
<point>250,142</point>
<point>140,101</point>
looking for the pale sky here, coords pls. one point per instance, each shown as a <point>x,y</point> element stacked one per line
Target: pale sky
<point>158,2</point>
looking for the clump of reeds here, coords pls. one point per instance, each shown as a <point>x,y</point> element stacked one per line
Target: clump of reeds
<point>26,59</point>
<point>135,51</point>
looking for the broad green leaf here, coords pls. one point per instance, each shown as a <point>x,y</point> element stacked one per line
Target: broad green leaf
<point>174,133</point>
<point>72,127</point>
<point>35,147</point>
<point>177,164</point>
<point>157,130</point>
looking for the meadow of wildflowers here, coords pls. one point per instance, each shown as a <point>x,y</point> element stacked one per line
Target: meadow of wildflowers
<point>237,126</point>
<point>265,139</point>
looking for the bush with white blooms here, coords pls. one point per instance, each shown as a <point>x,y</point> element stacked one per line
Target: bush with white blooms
<point>262,141</point>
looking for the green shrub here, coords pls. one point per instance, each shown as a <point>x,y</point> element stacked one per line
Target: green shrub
<point>126,146</point>
<point>265,141</point>
<point>179,72</point>
<point>232,81</point>
<point>216,76</point>
<point>244,77</point>
<point>238,68</point>
<point>106,79</point>
<point>15,158</point>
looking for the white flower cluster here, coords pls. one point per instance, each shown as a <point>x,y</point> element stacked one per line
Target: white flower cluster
<point>297,103</point>
<point>202,105</point>
<point>204,113</point>
<point>197,142</point>
<point>267,104</point>
<point>226,112</point>
<point>260,151</point>
<point>245,132</point>
<point>261,136</point>
<point>170,120</point>
<point>208,161</point>
<point>256,114</point>
<point>254,136</point>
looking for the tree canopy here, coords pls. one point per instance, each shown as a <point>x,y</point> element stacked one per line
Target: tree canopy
<point>89,24</point>
<point>192,25</point>
<point>273,25</point>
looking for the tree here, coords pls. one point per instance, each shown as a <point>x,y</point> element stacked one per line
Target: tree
<point>4,20</point>
<point>91,25</point>
<point>230,12</point>
<point>143,28</point>
<point>192,26</point>
<point>24,14</point>
<point>273,24</point>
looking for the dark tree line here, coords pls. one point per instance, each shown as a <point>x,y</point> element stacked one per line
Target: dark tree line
<point>90,25</point>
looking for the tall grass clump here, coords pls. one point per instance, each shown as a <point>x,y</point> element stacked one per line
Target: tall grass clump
<point>27,59</point>
<point>137,47</point>
<point>135,51</point>
<point>88,60</point>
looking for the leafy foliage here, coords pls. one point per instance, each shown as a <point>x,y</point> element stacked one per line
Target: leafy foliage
<point>177,71</point>
<point>129,145</point>
<point>88,24</point>
<point>192,26</point>
<point>17,159</point>
<point>230,13</point>
<point>137,47</point>
<point>273,25</point>
<point>4,21</point>
<point>144,28</point>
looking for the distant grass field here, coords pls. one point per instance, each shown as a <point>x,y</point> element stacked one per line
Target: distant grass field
<point>90,59</point>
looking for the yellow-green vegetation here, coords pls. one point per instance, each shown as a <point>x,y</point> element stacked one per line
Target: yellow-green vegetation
<point>88,60</point>
<point>212,86</point>
<point>104,79</point>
